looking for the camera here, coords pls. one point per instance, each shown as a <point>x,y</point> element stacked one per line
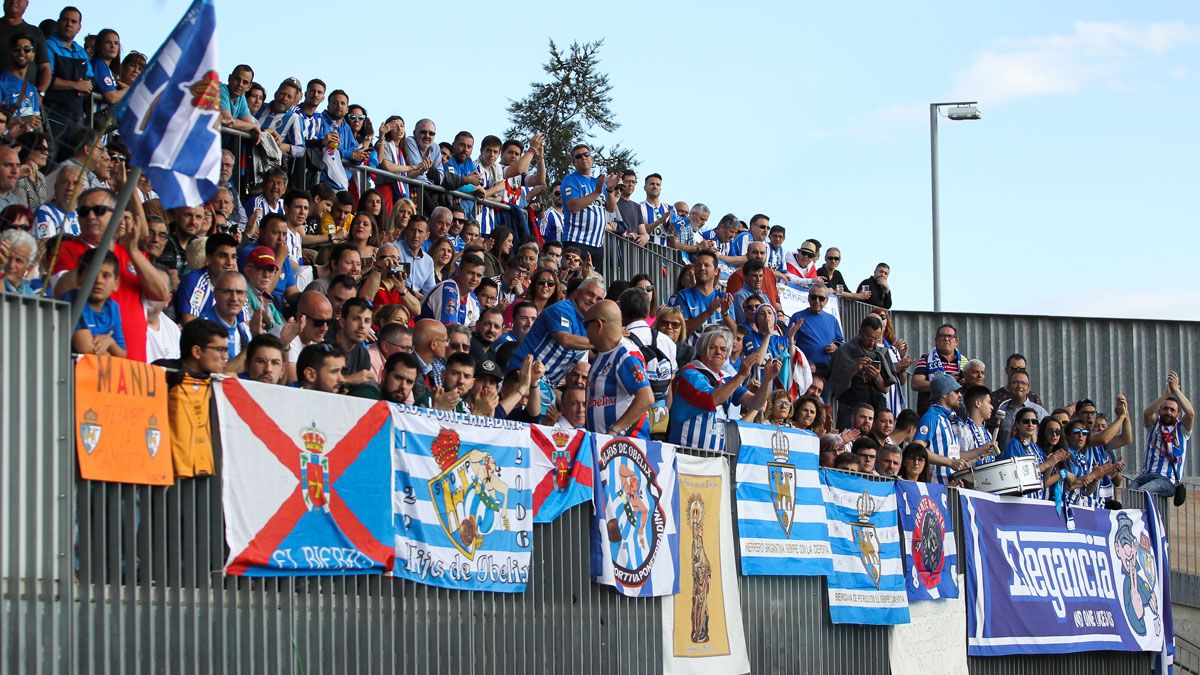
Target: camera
<point>400,268</point>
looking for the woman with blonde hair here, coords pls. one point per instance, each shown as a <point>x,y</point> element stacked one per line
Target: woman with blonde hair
<point>397,220</point>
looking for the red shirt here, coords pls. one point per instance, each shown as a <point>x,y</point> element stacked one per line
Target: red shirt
<point>128,295</point>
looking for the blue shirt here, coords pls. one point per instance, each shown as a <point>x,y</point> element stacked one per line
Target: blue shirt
<point>236,107</point>
<point>51,220</point>
<point>445,303</point>
<point>562,316</point>
<point>105,321</point>
<point>692,303</point>
<point>1081,463</point>
<point>552,225</point>
<point>696,421</point>
<point>613,380</point>
<point>287,277</point>
<point>817,332</point>
<point>19,95</point>
<point>938,430</point>
<point>420,277</point>
<point>586,226</point>
<point>102,77</point>
<point>238,334</point>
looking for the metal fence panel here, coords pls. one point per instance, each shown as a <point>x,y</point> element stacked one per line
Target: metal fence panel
<point>35,490</point>
<point>624,258</point>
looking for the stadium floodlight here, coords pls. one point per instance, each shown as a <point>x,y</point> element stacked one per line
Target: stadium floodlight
<point>959,111</point>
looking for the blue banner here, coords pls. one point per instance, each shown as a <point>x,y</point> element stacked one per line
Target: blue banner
<point>462,500</point>
<point>930,550</point>
<point>1035,587</point>
<point>780,502</point>
<point>867,584</point>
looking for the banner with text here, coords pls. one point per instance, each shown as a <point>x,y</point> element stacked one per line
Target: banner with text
<point>304,481</point>
<point>702,625</point>
<point>1033,586</point>
<point>635,532</point>
<point>462,500</point>
<point>780,503</point>
<point>122,435</point>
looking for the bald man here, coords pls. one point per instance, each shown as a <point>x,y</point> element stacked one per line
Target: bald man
<point>619,394</point>
<point>314,315</point>
<point>429,346</point>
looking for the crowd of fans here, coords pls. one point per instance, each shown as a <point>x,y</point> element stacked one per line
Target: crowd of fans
<point>292,274</point>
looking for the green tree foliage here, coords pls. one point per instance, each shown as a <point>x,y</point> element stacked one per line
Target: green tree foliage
<point>567,109</point>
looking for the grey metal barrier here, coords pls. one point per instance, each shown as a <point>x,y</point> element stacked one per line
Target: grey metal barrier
<point>624,259</point>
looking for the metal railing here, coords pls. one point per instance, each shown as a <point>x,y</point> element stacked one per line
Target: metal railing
<point>624,258</point>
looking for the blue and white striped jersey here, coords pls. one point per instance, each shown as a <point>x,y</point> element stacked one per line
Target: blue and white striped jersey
<point>586,226</point>
<point>614,378</point>
<point>553,225</point>
<point>562,316</point>
<point>1166,450</point>
<point>938,430</point>
<point>696,421</point>
<point>50,220</point>
<point>445,303</point>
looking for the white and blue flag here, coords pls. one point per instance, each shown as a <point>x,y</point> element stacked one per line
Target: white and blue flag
<point>170,119</point>
<point>930,549</point>
<point>867,584</point>
<point>462,500</point>
<point>780,504</point>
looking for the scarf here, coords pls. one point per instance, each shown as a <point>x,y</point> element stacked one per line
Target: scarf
<point>934,363</point>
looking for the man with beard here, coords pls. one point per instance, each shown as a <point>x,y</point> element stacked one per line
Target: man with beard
<point>399,375</point>
<point>264,360</point>
<point>1168,422</point>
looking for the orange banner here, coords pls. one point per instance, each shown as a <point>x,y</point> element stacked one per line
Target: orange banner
<point>121,426</point>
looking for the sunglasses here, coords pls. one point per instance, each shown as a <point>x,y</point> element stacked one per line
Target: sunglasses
<point>817,298</point>
<point>808,254</point>
<point>582,155</point>
<point>1054,432</point>
<point>1081,432</point>
<point>23,50</point>
<point>99,210</point>
<point>832,258</point>
<point>946,336</point>
<point>356,118</point>
<point>1029,420</point>
<point>319,322</point>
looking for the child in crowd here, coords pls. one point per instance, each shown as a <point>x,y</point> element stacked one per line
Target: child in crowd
<point>99,329</point>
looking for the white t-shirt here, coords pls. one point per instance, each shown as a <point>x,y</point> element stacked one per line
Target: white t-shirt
<point>162,342</point>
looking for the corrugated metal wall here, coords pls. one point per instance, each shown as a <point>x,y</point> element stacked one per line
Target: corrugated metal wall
<point>35,484</point>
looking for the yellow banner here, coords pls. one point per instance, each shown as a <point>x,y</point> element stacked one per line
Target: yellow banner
<point>700,628</point>
<point>121,421</point>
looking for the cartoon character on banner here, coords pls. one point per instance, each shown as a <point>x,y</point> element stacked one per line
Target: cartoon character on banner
<point>468,494</point>
<point>865,537</point>
<point>1138,569</point>
<point>633,516</point>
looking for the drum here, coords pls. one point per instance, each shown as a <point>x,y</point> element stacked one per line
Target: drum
<point>1015,476</point>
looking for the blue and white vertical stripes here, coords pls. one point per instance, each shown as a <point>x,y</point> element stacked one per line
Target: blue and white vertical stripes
<point>780,503</point>
<point>1164,661</point>
<point>462,500</point>
<point>867,583</point>
<point>930,549</point>
<point>170,119</point>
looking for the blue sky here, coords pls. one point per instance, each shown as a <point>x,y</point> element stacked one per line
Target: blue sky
<point>1075,194</point>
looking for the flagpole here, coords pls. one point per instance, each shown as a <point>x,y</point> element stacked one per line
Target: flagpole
<point>110,233</point>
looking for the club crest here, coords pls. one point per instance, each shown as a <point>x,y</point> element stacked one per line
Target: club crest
<point>929,531</point>
<point>314,469</point>
<point>153,436</point>
<point>781,477</point>
<point>89,431</point>
<point>469,496</point>
<point>865,537</point>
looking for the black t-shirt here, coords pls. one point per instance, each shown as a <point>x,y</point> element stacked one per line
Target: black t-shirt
<point>833,281</point>
<point>879,297</point>
<point>7,31</point>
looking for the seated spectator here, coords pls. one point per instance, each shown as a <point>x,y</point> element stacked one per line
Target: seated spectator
<point>486,333</point>
<point>17,251</point>
<point>321,367</point>
<point>55,217</point>
<point>99,328</point>
<point>807,413</point>
<point>943,358</point>
<point>906,428</point>
<point>913,464</point>
<point>1014,363</point>
<point>571,411</point>
<point>817,333</point>
<point>261,278</point>
<point>883,426</point>
<point>454,300</point>
<point>430,342</point>
<point>577,376</point>
<point>311,323</point>
<point>227,310</point>
<point>887,461</point>
<point>511,285</point>
<point>778,410</point>
<point>393,338</point>
<point>558,338</point>
<point>195,295</point>
<point>862,420</point>
<point>400,373</point>
<point>847,461</point>
<point>84,151</point>
<point>488,294</point>
<point>860,372</point>
<point>757,251</point>
<point>867,450</point>
<point>33,152</point>
<point>619,393</point>
<point>831,447</point>
<point>273,238</point>
<point>874,289</point>
<point>203,353</point>
<point>701,390</point>
<point>753,272</point>
<point>457,380</point>
<point>520,399</point>
<point>343,259</point>
<point>1103,442</point>
<point>458,339</point>
<point>524,313</point>
<point>1169,420</point>
<point>1018,398</point>
<point>350,337</point>
<point>264,360</point>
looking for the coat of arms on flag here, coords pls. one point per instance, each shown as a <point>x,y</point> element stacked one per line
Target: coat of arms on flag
<point>635,538</point>
<point>781,514</point>
<point>930,550</point>
<point>462,500</point>
<point>562,470</point>
<point>306,481</point>
<point>867,583</point>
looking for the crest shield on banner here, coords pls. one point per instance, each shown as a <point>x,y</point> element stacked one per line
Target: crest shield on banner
<point>930,547</point>
<point>562,470</point>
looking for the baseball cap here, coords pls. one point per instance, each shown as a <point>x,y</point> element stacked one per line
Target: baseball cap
<point>488,368</point>
<point>942,384</point>
<point>262,256</point>
<point>293,82</point>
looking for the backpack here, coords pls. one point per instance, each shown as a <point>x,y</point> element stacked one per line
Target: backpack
<point>653,355</point>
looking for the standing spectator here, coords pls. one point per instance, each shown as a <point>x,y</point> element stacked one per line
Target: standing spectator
<point>1012,364</point>
<point>1086,466</point>
<point>897,351</point>
<point>107,53</point>
<point>775,237</point>
<point>701,390</point>
<point>559,338</point>
<point>1018,391</point>
<point>71,85</point>
<point>14,24</point>
<point>310,121</point>
<point>728,242</point>
<point>704,304</point>
<point>816,332</point>
<point>343,259</point>
<point>1169,421</point>
<point>226,310</point>
<point>1104,441</point>
<point>883,426</point>
<point>235,112</point>
<point>454,300</point>
<point>280,120</point>
<point>860,372</point>
<point>619,393</point>
<point>654,212</point>
<point>321,367</point>
<point>874,289</point>
<point>84,151</point>
<point>756,251</point>
<point>17,94</point>
<point>238,217</point>
<point>943,358</point>
<point>658,349</point>
<point>802,267</point>
<point>829,272</point>
<point>587,199</point>
<point>974,374</point>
